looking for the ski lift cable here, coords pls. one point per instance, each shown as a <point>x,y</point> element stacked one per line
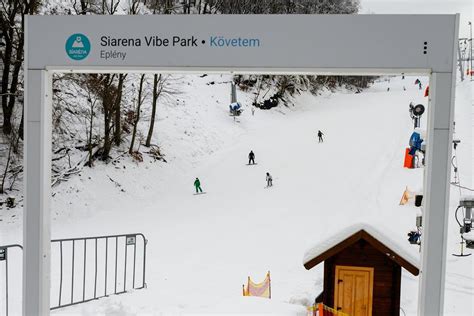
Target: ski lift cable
<point>462,187</point>
<point>454,162</point>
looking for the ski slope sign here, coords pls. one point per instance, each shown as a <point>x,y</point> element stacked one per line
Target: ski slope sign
<point>373,43</point>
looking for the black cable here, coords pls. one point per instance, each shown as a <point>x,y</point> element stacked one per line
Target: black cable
<point>456,216</point>
<point>458,184</point>
<point>452,164</point>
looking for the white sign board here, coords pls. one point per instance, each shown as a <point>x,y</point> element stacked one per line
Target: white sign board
<point>324,42</point>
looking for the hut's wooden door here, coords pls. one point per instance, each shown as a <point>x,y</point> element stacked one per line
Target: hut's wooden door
<point>354,290</point>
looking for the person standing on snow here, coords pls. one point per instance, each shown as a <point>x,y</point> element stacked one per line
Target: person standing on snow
<point>419,85</point>
<point>251,157</point>
<point>269,180</point>
<point>197,185</point>
<point>320,136</point>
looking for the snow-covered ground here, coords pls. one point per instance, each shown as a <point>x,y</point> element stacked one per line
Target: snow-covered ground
<point>202,248</point>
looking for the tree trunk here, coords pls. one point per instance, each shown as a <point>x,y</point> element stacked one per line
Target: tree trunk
<point>89,145</point>
<point>108,105</point>
<point>7,113</point>
<point>118,102</point>
<point>7,165</point>
<point>20,128</point>
<point>107,142</point>
<point>156,79</point>
<point>137,114</point>
<point>14,83</point>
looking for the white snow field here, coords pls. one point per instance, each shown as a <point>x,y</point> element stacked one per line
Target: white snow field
<point>202,248</point>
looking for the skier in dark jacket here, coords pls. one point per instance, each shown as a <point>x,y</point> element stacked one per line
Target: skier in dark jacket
<point>320,136</point>
<point>269,180</point>
<point>251,157</point>
<point>197,185</point>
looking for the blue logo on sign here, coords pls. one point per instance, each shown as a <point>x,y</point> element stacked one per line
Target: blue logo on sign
<point>78,46</point>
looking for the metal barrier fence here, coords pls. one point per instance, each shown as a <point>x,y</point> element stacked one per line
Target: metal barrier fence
<point>95,267</point>
<point>4,254</point>
<point>82,269</point>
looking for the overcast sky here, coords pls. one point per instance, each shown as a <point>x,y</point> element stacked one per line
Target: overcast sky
<point>464,7</point>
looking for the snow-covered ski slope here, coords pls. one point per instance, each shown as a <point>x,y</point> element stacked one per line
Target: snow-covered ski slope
<point>202,247</point>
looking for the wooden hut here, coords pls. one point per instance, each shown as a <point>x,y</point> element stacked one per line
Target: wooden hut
<point>362,271</point>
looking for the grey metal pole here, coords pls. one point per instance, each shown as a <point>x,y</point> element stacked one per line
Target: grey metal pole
<point>436,192</point>
<point>436,189</point>
<point>36,214</point>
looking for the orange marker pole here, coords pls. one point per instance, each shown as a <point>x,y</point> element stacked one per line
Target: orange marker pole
<point>320,309</point>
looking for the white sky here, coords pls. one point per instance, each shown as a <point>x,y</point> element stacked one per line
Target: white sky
<point>464,7</point>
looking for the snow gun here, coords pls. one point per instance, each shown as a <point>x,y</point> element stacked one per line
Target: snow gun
<point>414,155</point>
<point>235,109</point>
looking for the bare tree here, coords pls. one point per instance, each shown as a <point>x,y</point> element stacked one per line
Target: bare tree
<point>118,110</point>
<point>165,87</point>
<point>156,94</point>
<point>90,145</point>
<point>110,7</point>
<point>136,117</point>
<point>103,85</point>
<point>13,141</point>
<point>12,26</point>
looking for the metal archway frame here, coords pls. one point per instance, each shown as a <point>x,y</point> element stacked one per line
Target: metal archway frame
<point>310,44</point>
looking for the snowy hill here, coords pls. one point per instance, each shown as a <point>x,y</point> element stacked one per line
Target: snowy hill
<point>202,248</point>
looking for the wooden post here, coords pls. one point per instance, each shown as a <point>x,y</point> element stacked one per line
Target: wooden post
<point>269,285</point>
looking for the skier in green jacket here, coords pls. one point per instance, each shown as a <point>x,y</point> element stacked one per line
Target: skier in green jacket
<point>197,184</point>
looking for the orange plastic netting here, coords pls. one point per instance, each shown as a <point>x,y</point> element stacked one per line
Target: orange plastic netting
<point>262,289</point>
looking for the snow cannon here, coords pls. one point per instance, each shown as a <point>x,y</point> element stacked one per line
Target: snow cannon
<point>416,151</point>
<point>235,108</point>
<point>417,139</point>
<point>415,113</point>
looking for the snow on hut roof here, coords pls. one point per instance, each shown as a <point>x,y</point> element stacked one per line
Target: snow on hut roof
<point>328,247</point>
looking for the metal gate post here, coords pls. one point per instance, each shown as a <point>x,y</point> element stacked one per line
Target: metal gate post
<point>36,217</point>
<point>436,192</point>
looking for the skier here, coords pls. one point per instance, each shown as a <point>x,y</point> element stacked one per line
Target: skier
<point>197,185</point>
<point>419,85</point>
<point>251,157</point>
<point>320,136</point>
<point>269,180</point>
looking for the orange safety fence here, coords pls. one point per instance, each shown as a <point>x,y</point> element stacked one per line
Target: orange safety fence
<point>262,289</point>
<point>320,309</point>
